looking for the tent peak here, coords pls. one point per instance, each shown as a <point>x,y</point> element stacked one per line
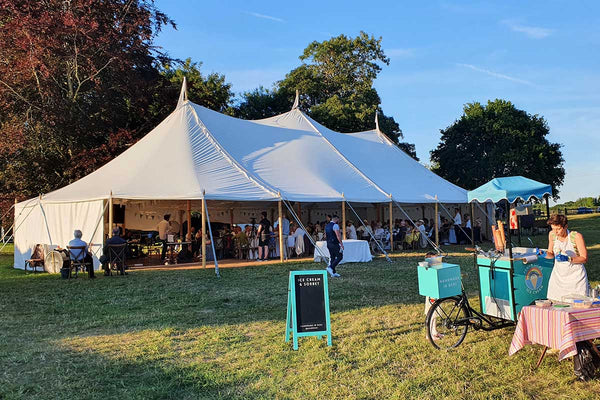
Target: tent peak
<point>183,97</point>
<point>296,100</point>
<point>377,121</point>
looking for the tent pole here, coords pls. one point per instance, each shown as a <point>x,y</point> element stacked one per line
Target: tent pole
<point>508,241</point>
<point>548,207</point>
<point>212,239</point>
<point>189,221</point>
<point>391,226</point>
<point>231,218</point>
<point>181,224</point>
<point>473,225</point>
<point>279,225</point>
<point>436,224</point>
<point>343,217</point>
<point>203,231</point>
<point>110,214</point>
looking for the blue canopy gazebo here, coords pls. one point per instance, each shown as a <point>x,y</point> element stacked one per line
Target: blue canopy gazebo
<point>511,189</point>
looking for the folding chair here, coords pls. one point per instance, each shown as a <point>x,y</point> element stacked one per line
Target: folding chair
<point>116,257</point>
<point>37,258</point>
<point>77,256</point>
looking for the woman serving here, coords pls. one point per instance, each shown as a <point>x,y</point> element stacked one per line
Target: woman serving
<point>569,253</point>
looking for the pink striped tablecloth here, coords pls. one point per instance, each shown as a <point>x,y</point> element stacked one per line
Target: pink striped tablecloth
<point>557,328</point>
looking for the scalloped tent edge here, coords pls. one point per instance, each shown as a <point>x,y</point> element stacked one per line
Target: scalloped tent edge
<point>510,188</point>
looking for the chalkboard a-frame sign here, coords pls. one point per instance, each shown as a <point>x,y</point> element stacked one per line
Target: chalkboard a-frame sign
<point>308,306</point>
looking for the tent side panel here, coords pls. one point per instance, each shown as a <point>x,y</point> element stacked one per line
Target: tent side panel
<point>54,223</point>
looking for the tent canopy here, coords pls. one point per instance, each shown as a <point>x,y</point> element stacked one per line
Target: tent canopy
<point>510,188</point>
<point>199,153</point>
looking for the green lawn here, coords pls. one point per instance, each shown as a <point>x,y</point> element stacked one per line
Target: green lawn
<point>188,335</point>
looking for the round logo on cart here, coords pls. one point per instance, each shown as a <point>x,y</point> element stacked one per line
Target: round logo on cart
<point>534,280</point>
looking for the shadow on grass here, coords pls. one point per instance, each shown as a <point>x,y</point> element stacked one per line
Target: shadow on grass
<point>85,373</point>
<point>190,298</point>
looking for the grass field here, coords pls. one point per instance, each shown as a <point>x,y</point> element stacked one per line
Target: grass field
<point>188,335</point>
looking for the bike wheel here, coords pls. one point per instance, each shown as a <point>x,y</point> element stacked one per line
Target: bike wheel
<point>446,323</point>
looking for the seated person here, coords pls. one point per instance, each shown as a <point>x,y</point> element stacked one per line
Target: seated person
<point>104,259</point>
<point>84,255</point>
<point>422,233</point>
<point>412,236</point>
<point>379,231</point>
<point>365,230</point>
<point>400,232</point>
<point>185,255</point>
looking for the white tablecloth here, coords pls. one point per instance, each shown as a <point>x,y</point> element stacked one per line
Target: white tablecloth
<point>354,251</point>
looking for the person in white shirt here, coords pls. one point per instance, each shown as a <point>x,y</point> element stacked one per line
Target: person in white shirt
<point>423,232</point>
<point>351,231</point>
<point>457,224</point>
<point>365,230</point>
<point>379,230</point>
<point>163,232</point>
<point>299,236</point>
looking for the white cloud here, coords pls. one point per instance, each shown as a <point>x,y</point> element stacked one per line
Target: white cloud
<point>533,32</point>
<point>400,53</point>
<point>495,74</point>
<point>263,16</point>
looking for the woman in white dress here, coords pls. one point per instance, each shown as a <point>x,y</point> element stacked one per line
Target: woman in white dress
<point>569,253</point>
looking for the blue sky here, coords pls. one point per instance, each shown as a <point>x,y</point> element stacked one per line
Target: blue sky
<point>541,55</point>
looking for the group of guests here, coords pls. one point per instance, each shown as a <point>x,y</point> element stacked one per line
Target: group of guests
<point>263,240</point>
<point>567,248</point>
<point>404,233</point>
<point>79,251</point>
<point>186,253</point>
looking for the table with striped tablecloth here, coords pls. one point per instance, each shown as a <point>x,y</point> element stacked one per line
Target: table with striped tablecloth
<point>556,328</point>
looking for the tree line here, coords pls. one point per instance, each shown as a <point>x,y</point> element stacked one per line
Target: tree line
<point>80,82</point>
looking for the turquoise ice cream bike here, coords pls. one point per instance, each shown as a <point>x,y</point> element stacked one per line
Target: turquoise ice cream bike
<point>508,280</point>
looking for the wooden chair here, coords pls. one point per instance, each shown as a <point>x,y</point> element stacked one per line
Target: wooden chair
<point>116,258</point>
<point>37,258</point>
<point>77,255</point>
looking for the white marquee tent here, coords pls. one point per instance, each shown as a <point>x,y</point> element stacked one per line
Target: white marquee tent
<point>197,153</point>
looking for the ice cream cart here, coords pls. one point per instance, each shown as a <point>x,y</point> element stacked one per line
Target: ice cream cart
<point>509,277</point>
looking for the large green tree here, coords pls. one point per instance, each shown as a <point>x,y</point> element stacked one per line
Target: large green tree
<point>210,91</point>
<point>335,81</point>
<point>496,140</point>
